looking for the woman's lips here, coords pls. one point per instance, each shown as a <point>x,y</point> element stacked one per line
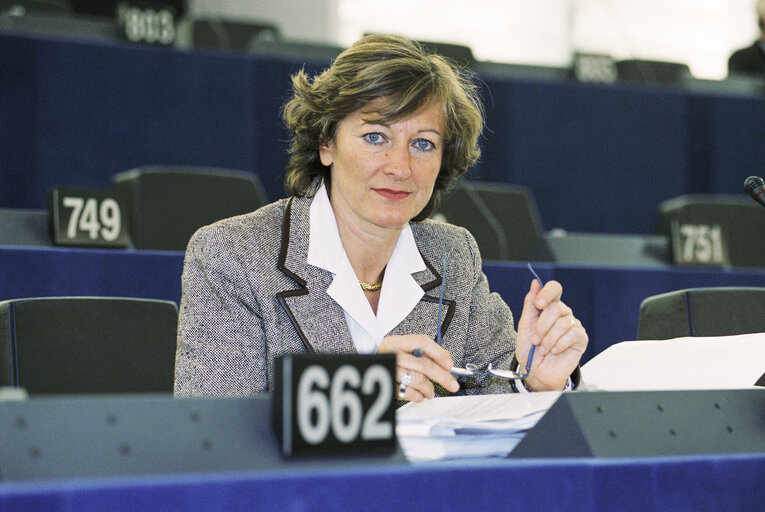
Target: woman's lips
<point>391,194</point>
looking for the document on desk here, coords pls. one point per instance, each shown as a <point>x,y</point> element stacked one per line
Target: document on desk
<point>718,362</point>
<point>469,426</point>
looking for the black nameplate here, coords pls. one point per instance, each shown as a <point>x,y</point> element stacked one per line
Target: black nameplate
<point>87,217</point>
<point>648,423</point>
<point>699,244</point>
<point>336,404</point>
<point>147,22</point>
<point>599,68</point>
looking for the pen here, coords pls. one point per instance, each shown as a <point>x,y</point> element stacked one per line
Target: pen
<point>441,300</point>
<point>533,347</point>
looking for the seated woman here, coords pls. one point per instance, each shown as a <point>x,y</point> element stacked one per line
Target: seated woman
<point>350,263</point>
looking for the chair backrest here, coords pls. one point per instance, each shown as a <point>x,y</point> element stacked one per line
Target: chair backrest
<point>168,204</point>
<point>652,71</point>
<point>740,220</point>
<point>63,345</point>
<point>503,218</point>
<point>225,34</point>
<point>458,53</point>
<point>722,311</point>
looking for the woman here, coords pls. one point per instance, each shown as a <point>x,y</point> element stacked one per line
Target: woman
<point>348,263</point>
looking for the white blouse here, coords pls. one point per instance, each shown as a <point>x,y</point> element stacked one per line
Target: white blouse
<point>400,292</point>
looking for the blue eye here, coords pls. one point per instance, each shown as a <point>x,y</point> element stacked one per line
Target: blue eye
<point>374,138</point>
<point>424,145</point>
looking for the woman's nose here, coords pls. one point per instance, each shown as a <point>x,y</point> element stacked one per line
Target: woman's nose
<point>398,162</point>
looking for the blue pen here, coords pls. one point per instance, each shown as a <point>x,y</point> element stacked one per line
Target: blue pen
<point>533,347</point>
<point>441,298</point>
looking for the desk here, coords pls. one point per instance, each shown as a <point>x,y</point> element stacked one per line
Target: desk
<point>657,484</point>
<point>58,271</point>
<point>605,299</point>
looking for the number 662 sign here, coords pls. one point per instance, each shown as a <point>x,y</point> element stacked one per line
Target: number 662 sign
<point>335,404</point>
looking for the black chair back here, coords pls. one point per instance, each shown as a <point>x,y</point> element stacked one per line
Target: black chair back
<point>735,222</point>
<point>168,204</point>
<point>722,311</point>
<point>503,218</point>
<point>63,345</point>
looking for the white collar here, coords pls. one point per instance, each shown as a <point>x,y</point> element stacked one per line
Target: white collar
<point>400,292</point>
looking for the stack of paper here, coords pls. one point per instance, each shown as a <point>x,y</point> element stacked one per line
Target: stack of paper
<point>722,362</point>
<point>468,426</point>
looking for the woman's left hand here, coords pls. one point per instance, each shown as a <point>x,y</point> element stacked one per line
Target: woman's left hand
<point>559,336</point>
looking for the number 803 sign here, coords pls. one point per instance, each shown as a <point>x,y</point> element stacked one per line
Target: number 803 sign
<point>335,404</point>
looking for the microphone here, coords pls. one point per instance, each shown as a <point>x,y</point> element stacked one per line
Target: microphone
<point>755,187</point>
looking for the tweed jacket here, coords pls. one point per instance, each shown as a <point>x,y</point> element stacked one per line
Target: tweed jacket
<point>249,296</point>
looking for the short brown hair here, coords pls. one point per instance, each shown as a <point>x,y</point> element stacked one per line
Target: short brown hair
<point>407,79</point>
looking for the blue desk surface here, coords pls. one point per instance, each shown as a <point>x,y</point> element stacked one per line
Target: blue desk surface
<point>657,484</point>
<point>606,299</point>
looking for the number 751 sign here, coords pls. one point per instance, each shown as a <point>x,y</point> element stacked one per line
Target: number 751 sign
<point>87,217</point>
<point>698,244</point>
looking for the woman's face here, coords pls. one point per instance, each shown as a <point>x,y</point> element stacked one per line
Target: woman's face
<point>383,174</point>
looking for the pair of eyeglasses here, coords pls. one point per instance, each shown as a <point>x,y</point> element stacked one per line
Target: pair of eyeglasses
<point>473,370</point>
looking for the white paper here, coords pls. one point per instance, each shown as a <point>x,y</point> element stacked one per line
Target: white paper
<point>725,362</point>
<point>469,426</point>
<point>507,406</point>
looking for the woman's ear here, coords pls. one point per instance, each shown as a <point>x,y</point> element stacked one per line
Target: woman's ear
<point>326,153</point>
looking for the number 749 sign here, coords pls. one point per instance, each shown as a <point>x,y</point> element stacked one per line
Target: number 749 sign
<point>87,217</point>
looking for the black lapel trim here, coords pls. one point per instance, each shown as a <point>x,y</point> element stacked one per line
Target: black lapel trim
<point>281,296</point>
<point>285,246</point>
<point>436,281</point>
<point>451,305</point>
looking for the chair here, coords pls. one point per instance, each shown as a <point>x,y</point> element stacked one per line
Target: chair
<point>168,204</point>
<point>652,71</point>
<point>720,311</point>
<point>294,50</point>
<point>741,233</point>
<point>504,219</point>
<point>63,345</point>
<point>224,34</point>
<point>458,53</point>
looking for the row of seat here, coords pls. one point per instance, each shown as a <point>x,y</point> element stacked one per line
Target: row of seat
<point>264,37</point>
<point>168,203</point>
<point>81,345</point>
<point>712,229</point>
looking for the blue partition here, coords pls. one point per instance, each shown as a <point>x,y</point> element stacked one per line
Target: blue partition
<point>58,272</point>
<point>605,299</point>
<point>598,158</point>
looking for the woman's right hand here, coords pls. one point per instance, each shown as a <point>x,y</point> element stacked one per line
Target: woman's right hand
<point>432,365</point>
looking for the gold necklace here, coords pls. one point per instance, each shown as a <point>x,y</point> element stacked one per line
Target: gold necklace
<point>370,287</point>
